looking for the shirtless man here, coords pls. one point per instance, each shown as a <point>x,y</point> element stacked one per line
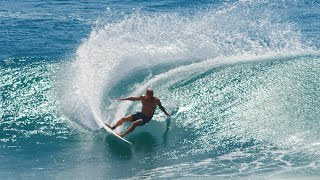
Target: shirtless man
<point>149,105</point>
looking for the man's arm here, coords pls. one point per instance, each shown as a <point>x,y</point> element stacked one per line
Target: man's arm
<point>163,109</point>
<point>137,98</point>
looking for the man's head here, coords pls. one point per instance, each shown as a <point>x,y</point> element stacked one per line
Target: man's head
<point>149,93</point>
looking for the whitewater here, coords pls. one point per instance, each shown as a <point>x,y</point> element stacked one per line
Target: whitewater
<point>240,78</point>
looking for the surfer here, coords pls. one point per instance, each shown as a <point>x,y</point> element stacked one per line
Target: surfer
<point>149,105</point>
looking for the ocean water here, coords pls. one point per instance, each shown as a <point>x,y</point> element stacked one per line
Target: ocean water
<point>240,78</point>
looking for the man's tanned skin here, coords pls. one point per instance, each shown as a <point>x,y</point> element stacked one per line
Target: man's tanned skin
<point>149,105</point>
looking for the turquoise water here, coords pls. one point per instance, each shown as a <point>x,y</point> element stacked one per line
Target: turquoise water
<point>240,78</point>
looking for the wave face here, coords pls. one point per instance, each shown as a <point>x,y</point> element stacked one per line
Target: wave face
<point>142,41</point>
<point>241,80</point>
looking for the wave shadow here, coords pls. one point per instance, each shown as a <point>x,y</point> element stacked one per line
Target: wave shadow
<point>143,141</point>
<point>118,148</point>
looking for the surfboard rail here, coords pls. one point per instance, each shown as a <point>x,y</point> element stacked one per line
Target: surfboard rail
<point>109,130</point>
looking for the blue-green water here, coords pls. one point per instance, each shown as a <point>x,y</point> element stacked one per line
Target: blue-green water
<point>241,79</point>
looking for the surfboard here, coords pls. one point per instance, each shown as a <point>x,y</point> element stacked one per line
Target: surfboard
<point>109,130</point>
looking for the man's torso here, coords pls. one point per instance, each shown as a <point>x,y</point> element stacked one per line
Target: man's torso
<point>149,106</point>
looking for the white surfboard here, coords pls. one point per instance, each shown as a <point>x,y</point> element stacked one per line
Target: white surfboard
<point>109,130</point>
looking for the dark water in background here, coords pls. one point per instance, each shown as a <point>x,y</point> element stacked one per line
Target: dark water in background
<point>241,79</point>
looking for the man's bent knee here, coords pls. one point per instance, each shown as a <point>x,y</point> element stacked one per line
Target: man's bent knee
<point>127,118</point>
<point>138,122</point>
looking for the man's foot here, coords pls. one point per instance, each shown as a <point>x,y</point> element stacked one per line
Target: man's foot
<point>121,135</point>
<point>109,126</point>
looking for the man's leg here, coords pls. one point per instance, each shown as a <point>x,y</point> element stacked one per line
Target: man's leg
<point>131,128</point>
<point>121,121</point>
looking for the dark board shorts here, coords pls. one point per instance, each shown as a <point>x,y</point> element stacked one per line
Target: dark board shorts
<point>139,115</point>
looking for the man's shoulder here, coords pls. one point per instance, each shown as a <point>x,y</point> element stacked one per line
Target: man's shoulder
<point>156,99</point>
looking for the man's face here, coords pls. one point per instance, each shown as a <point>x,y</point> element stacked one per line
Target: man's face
<point>149,93</point>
